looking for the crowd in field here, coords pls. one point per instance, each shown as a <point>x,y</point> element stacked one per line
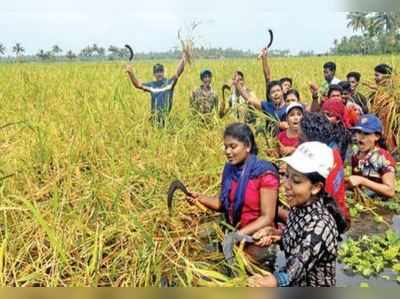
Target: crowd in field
<point>340,127</point>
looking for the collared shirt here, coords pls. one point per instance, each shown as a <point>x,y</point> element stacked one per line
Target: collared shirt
<point>204,100</point>
<point>310,243</point>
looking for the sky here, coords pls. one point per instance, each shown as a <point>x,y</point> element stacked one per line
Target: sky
<point>153,25</point>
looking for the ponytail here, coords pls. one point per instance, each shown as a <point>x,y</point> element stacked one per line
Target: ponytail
<point>334,210</point>
<point>329,203</point>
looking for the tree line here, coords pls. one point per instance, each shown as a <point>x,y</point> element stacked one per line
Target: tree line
<point>378,33</point>
<point>96,52</point>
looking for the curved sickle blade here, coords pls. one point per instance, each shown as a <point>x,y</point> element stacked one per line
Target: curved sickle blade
<point>271,38</point>
<point>175,185</point>
<point>131,55</point>
<point>229,242</point>
<point>225,87</point>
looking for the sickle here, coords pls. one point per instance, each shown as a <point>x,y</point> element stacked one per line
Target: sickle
<point>131,55</point>
<point>178,185</point>
<point>224,88</point>
<point>271,38</point>
<point>222,106</point>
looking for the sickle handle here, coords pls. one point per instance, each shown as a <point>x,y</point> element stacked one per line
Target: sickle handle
<point>201,206</point>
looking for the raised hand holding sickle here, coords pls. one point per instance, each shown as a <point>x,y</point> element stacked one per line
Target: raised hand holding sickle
<point>264,51</point>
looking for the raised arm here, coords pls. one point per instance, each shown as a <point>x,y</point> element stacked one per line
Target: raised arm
<point>315,104</point>
<point>266,69</point>
<point>180,68</point>
<point>250,97</point>
<point>135,81</point>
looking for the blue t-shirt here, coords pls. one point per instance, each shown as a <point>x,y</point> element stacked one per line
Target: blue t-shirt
<point>162,93</point>
<point>269,108</point>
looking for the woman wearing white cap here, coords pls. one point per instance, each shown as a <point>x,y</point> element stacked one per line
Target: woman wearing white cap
<point>310,239</point>
<point>289,138</point>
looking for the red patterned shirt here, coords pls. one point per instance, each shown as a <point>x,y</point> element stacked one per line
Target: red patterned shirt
<point>374,165</point>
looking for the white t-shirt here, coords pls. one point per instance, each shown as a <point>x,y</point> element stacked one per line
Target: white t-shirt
<point>335,81</point>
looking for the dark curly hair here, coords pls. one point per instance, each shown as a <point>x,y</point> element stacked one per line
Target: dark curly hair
<point>342,138</point>
<point>316,127</point>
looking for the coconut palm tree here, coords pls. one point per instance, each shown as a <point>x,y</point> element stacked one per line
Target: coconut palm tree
<point>18,49</point>
<point>114,51</point>
<point>41,54</point>
<point>56,50</point>
<point>45,55</point>
<point>101,51</point>
<point>358,20</point>
<point>387,25</point>
<point>70,55</point>
<point>386,22</point>
<point>86,52</point>
<point>95,48</point>
<point>2,49</point>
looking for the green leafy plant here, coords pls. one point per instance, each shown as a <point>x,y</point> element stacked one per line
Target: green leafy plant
<point>370,255</point>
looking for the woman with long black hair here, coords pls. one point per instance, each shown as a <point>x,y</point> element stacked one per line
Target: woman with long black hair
<point>249,187</point>
<point>310,240</point>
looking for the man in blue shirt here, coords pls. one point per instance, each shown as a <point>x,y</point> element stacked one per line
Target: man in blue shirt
<point>271,108</point>
<point>161,90</point>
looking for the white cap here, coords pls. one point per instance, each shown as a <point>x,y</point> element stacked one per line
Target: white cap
<point>312,157</point>
<point>294,105</point>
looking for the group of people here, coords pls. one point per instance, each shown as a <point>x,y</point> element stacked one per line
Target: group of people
<point>314,144</point>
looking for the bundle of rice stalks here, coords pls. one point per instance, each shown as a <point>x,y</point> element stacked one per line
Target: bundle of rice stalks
<point>222,274</point>
<point>386,105</point>
<point>187,43</point>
